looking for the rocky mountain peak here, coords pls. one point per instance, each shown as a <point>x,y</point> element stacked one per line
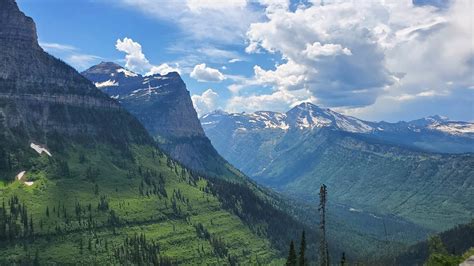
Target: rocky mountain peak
<point>104,68</point>
<point>429,120</point>
<point>306,106</point>
<point>163,105</point>
<point>215,113</point>
<point>17,30</point>
<point>41,95</point>
<point>308,115</point>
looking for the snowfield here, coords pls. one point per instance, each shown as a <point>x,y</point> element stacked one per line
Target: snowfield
<point>39,149</point>
<point>108,83</point>
<point>20,175</point>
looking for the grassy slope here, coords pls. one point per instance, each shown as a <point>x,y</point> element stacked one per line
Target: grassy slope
<point>152,215</point>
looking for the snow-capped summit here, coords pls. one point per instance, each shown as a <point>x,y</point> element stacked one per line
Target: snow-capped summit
<point>435,119</point>
<point>305,116</point>
<point>215,113</point>
<point>308,116</point>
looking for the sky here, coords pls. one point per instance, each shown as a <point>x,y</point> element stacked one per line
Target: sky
<point>376,60</point>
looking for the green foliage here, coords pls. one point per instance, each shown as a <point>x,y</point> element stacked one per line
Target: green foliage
<point>446,247</point>
<point>437,259</point>
<point>435,245</point>
<point>87,217</point>
<point>255,212</point>
<point>137,250</point>
<point>302,256</point>
<point>291,260</point>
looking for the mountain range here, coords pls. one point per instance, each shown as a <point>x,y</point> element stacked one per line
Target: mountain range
<point>163,105</point>
<point>378,167</point>
<point>434,133</point>
<point>113,167</point>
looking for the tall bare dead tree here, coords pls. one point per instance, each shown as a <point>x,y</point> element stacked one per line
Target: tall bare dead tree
<point>323,246</point>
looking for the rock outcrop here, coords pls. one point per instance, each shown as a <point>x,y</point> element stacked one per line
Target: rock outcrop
<point>41,96</point>
<point>163,105</point>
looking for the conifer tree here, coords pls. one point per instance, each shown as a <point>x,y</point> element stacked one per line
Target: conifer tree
<point>302,259</point>
<point>291,261</point>
<point>343,259</point>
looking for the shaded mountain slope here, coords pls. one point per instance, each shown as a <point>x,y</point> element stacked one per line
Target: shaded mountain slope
<point>456,241</point>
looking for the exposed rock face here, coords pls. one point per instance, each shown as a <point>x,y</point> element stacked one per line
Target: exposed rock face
<point>41,96</point>
<point>163,105</point>
<point>18,29</point>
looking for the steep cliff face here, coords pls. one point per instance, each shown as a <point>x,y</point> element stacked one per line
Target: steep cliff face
<point>163,105</point>
<point>40,96</point>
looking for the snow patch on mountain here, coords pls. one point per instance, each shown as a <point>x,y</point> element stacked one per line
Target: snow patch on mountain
<point>39,149</point>
<point>126,72</point>
<point>20,175</point>
<point>107,83</point>
<point>351,124</point>
<point>269,119</point>
<point>454,128</point>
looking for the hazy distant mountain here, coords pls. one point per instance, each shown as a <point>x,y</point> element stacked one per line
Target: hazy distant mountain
<point>435,133</point>
<point>163,105</point>
<point>370,166</point>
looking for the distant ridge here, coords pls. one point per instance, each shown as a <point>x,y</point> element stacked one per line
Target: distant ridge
<point>433,133</point>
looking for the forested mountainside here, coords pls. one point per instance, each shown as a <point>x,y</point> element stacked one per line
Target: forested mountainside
<point>81,180</point>
<point>297,151</point>
<point>447,248</point>
<point>163,105</point>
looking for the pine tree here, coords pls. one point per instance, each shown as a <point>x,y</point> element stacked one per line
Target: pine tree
<point>343,259</point>
<point>323,247</point>
<point>291,261</point>
<point>302,259</point>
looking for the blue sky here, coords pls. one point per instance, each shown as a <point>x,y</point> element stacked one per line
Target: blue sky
<point>377,60</point>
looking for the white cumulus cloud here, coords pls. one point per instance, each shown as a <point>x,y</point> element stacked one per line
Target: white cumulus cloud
<point>162,69</point>
<point>363,54</point>
<point>136,61</point>
<point>206,102</point>
<point>202,73</point>
<point>276,101</point>
<point>316,50</point>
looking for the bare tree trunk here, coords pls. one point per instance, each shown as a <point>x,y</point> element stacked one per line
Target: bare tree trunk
<point>323,246</point>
